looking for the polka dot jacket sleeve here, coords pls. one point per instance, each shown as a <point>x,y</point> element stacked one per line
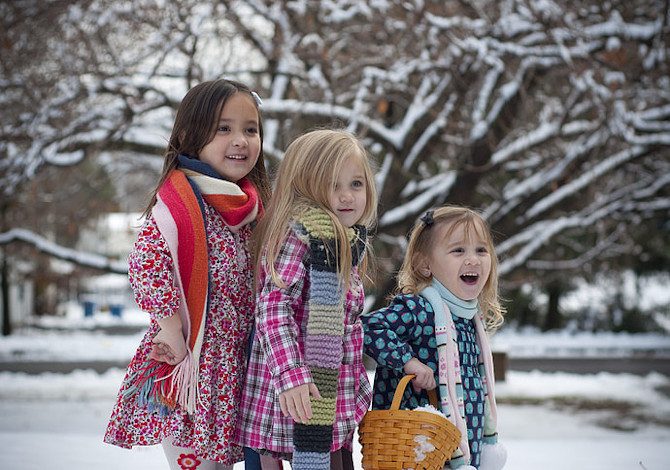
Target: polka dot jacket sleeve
<point>150,270</point>
<point>390,331</point>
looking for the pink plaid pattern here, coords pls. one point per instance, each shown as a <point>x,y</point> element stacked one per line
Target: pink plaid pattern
<point>277,362</point>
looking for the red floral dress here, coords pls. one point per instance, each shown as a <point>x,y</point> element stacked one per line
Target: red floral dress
<point>210,429</point>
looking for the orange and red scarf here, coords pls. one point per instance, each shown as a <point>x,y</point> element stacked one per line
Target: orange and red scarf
<point>180,216</point>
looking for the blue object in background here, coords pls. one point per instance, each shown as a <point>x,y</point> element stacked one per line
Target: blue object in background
<point>89,308</point>
<point>116,310</point>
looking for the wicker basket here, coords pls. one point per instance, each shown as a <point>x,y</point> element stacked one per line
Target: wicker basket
<point>388,436</point>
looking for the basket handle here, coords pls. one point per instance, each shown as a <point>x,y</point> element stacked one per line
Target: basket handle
<point>400,390</point>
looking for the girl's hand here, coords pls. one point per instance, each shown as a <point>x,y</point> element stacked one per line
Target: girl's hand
<point>425,377</point>
<point>169,344</point>
<point>294,402</point>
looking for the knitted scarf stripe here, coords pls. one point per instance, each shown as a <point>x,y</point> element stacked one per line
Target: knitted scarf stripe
<point>192,254</point>
<point>238,205</point>
<point>180,216</point>
<point>323,341</point>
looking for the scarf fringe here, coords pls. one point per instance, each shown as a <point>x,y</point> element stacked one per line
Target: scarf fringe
<point>160,386</point>
<point>180,217</point>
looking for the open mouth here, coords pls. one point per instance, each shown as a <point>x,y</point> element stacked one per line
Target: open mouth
<point>236,157</point>
<point>470,278</point>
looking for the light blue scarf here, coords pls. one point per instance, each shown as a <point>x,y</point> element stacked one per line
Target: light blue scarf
<point>461,308</point>
<point>444,304</point>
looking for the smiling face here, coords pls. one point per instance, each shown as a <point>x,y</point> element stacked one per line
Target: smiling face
<point>348,197</point>
<point>460,260</point>
<point>234,149</point>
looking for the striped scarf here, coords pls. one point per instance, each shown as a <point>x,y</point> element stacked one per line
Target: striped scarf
<point>323,341</point>
<point>449,367</point>
<point>180,216</point>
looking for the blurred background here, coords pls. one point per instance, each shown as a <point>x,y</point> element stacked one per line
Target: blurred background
<point>552,117</point>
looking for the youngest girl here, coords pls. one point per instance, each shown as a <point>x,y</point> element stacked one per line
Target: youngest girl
<point>436,328</point>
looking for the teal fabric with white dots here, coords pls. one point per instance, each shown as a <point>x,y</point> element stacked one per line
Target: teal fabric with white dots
<point>473,388</point>
<point>393,335</point>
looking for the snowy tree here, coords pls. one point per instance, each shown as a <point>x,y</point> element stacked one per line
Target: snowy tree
<point>549,116</point>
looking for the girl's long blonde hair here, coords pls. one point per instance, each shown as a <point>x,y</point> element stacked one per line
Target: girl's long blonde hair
<point>423,237</point>
<point>305,178</point>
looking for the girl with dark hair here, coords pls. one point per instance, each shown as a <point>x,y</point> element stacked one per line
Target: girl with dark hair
<point>191,271</point>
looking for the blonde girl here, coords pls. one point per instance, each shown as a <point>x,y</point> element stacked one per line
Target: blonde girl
<point>436,328</point>
<point>306,387</point>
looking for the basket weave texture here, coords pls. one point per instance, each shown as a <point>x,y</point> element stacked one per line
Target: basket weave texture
<point>387,437</point>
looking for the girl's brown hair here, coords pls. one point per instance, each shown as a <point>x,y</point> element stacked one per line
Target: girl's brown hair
<point>423,237</point>
<point>195,126</point>
<point>305,178</point>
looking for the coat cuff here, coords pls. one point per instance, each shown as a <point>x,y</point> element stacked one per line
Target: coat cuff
<point>292,378</point>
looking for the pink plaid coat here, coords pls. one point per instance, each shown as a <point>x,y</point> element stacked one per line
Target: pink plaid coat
<point>277,353</point>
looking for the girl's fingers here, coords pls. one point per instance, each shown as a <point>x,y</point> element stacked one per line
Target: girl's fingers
<point>282,405</point>
<point>306,406</point>
<point>314,391</point>
<point>290,405</point>
<point>300,409</point>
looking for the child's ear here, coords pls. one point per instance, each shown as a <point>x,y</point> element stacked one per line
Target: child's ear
<point>424,269</point>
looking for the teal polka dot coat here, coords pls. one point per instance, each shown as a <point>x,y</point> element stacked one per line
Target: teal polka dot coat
<point>393,335</point>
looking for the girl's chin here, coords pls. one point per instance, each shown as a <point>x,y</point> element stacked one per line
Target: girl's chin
<point>469,292</point>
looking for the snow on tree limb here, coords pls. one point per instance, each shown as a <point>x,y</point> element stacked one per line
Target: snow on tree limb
<point>89,260</point>
<point>585,179</point>
<point>420,202</point>
<point>538,235</point>
<point>535,112</point>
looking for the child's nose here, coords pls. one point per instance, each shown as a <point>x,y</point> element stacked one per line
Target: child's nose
<point>346,196</point>
<point>239,140</point>
<point>472,259</point>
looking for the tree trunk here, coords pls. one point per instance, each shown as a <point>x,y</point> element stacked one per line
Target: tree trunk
<point>4,280</point>
<point>4,276</point>
<point>553,319</point>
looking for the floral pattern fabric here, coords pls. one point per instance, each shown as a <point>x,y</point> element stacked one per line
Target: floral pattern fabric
<point>209,430</point>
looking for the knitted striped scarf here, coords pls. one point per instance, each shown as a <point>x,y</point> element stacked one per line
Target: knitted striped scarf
<point>323,341</point>
<point>180,216</point>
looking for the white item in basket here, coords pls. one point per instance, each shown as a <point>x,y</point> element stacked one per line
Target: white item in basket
<point>430,409</point>
<point>423,448</point>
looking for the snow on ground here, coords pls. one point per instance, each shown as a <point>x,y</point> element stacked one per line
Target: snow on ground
<point>69,338</point>
<point>530,343</point>
<point>58,420</point>
<point>548,421</point>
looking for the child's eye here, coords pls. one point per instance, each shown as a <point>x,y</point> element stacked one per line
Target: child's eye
<point>482,249</point>
<point>457,250</point>
<point>357,184</point>
<point>223,128</point>
<point>252,130</point>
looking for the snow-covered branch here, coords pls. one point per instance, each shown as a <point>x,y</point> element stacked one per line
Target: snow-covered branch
<point>88,260</point>
<point>411,209</point>
<point>585,179</point>
<point>539,113</point>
